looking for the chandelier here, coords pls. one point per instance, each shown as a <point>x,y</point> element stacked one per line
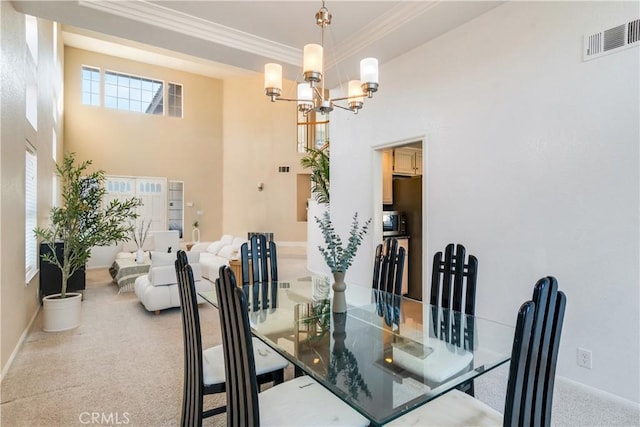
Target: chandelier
<point>309,96</point>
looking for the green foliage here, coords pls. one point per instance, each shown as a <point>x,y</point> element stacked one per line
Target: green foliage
<point>84,221</point>
<point>345,362</point>
<point>337,257</point>
<point>318,161</point>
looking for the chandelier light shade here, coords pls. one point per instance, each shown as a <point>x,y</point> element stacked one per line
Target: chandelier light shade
<point>273,80</point>
<point>309,96</point>
<point>312,63</point>
<point>369,75</point>
<point>305,97</point>
<point>356,96</point>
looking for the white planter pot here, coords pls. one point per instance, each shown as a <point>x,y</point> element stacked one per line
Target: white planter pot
<point>139,256</point>
<point>61,314</point>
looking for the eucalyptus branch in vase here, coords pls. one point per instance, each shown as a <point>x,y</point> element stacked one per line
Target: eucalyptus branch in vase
<point>338,257</point>
<point>139,234</point>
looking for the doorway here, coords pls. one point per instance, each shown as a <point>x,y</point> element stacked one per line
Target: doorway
<point>402,190</point>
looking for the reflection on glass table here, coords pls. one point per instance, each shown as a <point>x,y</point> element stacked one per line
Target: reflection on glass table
<point>381,370</point>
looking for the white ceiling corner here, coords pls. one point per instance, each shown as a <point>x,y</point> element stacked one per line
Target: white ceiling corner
<point>380,27</point>
<point>173,20</point>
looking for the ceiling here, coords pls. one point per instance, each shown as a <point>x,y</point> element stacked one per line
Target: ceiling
<point>231,38</point>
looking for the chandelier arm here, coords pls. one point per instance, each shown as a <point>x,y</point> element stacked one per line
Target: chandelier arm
<point>318,94</point>
<point>347,97</point>
<point>341,107</point>
<point>287,99</point>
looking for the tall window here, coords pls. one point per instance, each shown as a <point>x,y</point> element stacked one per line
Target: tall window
<point>91,86</point>
<point>31,213</point>
<point>175,100</point>
<point>31,36</point>
<point>131,93</point>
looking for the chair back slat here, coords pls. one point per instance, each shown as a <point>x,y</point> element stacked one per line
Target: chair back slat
<point>242,385</point>
<point>262,269</point>
<point>533,362</point>
<point>453,281</point>
<point>471,273</point>
<point>517,369</point>
<point>554,348</point>
<point>453,287</point>
<point>388,270</point>
<point>193,390</point>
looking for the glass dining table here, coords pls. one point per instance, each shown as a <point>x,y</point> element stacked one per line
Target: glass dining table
<point>385,356</point>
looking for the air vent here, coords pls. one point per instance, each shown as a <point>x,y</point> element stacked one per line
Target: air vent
<point>611,40</point>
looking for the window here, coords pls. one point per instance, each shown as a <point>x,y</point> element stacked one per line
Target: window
<point>31,213</point>
<point>175,100</point>
<point>31,36</point>
<point>54,190</point>
<point>55,42</point>
<point>54,146</point>
<point>31,99</point>
<point>176,206</point>
<point>91,86</point>
<point>130,93</point>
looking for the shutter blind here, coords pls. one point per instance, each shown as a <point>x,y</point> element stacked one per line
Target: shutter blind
<point>31,214</point>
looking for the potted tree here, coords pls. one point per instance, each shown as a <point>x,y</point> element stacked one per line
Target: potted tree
<point>83,222</point>
<point>317,161</point>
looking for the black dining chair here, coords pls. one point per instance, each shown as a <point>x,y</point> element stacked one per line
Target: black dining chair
<point>204,370</point>
<point>534,355</point>
<point>301,401</point>
<point>259,266</point>
<point>388,268</point>
<point>453,287</point>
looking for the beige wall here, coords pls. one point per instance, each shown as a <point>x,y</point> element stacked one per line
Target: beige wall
<point>259,136</point>
<point>127,143</point>
<point>19,303</point>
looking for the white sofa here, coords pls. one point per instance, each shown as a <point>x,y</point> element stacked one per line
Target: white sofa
<point>213,255</point>
<point>158,290</point>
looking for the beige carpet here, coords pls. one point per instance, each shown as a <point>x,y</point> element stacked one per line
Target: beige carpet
<point>123,365</point>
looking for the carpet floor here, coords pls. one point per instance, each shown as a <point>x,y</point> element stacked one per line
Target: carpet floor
<point>124,365</point>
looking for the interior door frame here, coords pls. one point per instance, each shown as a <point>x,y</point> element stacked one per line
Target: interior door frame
<point>377,199</point>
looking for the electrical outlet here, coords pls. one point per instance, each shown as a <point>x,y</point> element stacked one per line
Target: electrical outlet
<point>583,358</point>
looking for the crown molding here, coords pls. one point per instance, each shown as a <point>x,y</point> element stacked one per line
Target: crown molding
<point>379,28</point>
<point>160,16</point>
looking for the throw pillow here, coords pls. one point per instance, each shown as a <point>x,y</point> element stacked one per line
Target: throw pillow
<point>237,242</point>
<point>163,258</point>
<point>193,257</point>
<point>228,252</point>
<point>227,239</point>
<point>215,247</point>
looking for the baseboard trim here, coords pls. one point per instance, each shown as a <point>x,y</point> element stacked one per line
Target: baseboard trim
<point>19,344</point>
<point>605,395</point>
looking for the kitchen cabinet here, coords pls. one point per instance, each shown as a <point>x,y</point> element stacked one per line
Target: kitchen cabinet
<point>387,177</point>
<point>407,161</point>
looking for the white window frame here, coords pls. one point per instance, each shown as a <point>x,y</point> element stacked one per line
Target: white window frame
<point>129,94</point>
<point>171,101</point>
<point>95,87</point>
<point>31,213</point>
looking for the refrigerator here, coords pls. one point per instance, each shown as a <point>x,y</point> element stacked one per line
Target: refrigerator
<point>407,198</point>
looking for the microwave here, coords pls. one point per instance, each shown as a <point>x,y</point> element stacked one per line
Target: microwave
<point>394,223</point>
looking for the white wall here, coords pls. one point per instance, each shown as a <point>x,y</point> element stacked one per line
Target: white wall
<point>532,164</point>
